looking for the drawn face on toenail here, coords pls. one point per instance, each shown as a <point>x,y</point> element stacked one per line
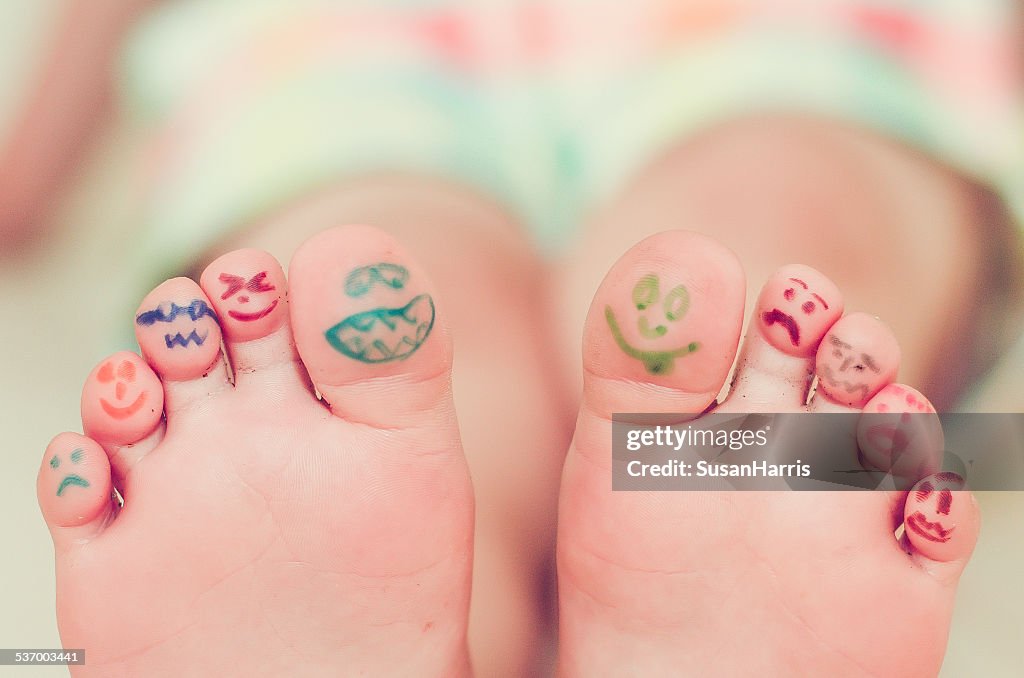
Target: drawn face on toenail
<point>388,332</point>
<point>122,398</point>
<point>64,467</point>
<point>931,507</point>
<point>796,307</point>
<point>183,325</point>
<point>655,316</point>
<point>900,433</point>
<point>253,299</point>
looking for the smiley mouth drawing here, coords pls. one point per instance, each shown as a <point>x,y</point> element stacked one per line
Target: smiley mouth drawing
<point>250,317</point>
<point>126,411</point>
<point>655,362</point>
<point>927,529</point>
<point>384,334</point>
<point>776,316</point>
<point>70,480</point>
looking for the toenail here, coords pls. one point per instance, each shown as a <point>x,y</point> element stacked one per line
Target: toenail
<point>796,307</point>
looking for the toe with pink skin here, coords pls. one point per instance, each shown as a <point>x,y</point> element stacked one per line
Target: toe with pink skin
<point>669,312</point>
<point>122,400</point>
<point>73,485</point>
<point>178,330</point>
<point>362,309</point>
<point>900,433</point>
<point>249,293</point>
<point>941,518</point>
<point>856,359</point>
<point>796,307</point>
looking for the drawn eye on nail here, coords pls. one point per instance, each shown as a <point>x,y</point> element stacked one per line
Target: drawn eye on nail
<point>362,280</point>
<point>645,292</point>
<point>677,303</point>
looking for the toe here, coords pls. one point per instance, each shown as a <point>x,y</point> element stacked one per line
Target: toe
<point>249,293</point>
<point>900,433</point>
<point>941,518</point>
<point>122,408</point>
<point>74,488</point>
<point>858,357</point>
<point>363,316</point>
<point>179,334</point>
<point>795,309</point>
<point>663,327</point>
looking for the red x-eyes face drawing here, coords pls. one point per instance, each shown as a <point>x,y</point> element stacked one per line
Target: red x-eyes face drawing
<point>255,290</point>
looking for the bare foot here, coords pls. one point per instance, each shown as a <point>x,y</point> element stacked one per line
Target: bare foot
<point>264,532</point>
<point>744,583</point>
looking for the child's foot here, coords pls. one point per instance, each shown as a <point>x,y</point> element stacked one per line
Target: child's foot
<point>264,532</point>
<point>744,583</point>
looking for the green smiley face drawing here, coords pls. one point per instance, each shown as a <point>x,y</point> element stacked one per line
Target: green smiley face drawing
<point>655,314</point>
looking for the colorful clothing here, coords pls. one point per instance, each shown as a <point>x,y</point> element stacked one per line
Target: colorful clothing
<point>548,107</point>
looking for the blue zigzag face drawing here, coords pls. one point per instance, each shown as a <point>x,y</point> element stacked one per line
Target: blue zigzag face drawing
<point>195,310</point>
<point>384,334</point>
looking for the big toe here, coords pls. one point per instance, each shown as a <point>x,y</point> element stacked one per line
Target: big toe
<point>367,327</point>
<point>663,328</point>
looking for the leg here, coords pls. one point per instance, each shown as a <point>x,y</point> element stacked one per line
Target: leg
<point>515,424</point>
<point>783,189</point>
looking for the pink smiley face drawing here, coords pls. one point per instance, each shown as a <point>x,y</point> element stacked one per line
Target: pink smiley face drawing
<point>122,399</point>
<point>796,307</point>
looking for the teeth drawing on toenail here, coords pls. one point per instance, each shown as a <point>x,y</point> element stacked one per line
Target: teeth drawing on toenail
<point>196,310</point>
<point>362,280</point>
<point>181,340</point>
<point>675,304</point>
<point>384,334</point>
<point>72,479</point>
<point>237,286</point>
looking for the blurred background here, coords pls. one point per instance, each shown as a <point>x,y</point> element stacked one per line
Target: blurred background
<point>63,291</point>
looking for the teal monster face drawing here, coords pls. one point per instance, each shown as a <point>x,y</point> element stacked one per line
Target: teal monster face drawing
<point>382,334</point>
<point>656,315</point>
